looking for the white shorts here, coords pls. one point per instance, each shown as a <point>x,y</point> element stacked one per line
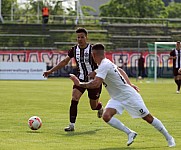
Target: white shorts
<point>135,106</point>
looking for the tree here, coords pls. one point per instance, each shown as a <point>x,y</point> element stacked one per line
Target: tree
<point>174,10</point>
<point>134,8</point>
<point>6,7</point>
<point>57,9</point>
<point>87,10</point>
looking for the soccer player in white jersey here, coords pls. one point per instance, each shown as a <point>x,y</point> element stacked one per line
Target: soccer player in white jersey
<point>124,96</point>
<point>175,55</point>
<point>85,67</point>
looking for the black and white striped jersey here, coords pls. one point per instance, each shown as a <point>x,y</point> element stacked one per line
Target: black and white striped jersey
<point>84,61</point>
<point>177,61</point>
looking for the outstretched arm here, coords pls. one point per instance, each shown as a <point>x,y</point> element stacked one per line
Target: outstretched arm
<point>172,57</point>
<point>90,85</point>
<point>61,64</point>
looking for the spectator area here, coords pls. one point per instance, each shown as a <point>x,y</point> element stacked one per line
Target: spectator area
<point>62,37</point>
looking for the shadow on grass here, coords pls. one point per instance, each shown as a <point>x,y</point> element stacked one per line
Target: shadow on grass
<point>33,131</point>
<point>132,148</point>
<point>74,133</point>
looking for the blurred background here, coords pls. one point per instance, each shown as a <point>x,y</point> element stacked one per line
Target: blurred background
<point>126,27</point>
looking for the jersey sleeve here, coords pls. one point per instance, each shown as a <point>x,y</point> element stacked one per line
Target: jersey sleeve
<point>172,53</point>
<point>71,52</point>
<point>102,71</point>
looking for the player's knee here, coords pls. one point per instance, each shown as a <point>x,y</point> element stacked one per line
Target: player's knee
<point>149,118</point>
<point>106,117</point>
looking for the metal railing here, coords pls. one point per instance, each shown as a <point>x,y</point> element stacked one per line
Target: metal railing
<point>60,19</point>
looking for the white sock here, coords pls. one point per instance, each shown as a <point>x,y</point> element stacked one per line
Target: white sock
<point>72,124</point>
<point>114,122</point>
<point>160,127</point>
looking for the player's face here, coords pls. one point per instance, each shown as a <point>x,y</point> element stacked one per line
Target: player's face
<point>94,56</point>
<point>178,45</point>
<point>82,39</point>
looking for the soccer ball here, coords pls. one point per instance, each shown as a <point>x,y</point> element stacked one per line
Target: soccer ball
<point>34,123</point>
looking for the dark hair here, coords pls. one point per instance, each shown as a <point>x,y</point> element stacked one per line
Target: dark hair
<point>178,41</point>
<point>80,30</point>
<point>98,46</point>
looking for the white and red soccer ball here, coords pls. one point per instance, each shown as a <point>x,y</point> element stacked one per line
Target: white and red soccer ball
<point>34,122</point>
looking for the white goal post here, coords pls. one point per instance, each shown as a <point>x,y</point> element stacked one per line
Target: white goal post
<point>155,57</point>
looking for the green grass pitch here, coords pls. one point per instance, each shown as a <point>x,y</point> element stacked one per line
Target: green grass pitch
<point>50,100</point>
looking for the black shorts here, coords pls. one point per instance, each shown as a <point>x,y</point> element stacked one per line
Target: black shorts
<point>93,94</point>
<point>175,71</point>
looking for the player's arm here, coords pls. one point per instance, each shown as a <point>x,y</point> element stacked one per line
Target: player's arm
<point>60,65</point>
<point>92,74</point>
<point>172,57</point>
<point>90,85</point>
<point>179,71</point>
<point>123,73</point>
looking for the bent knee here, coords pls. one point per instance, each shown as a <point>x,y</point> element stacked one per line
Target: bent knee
<point>149,118</point>
<point>106,117</point>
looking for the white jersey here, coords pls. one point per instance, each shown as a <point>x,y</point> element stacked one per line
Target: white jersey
<point>114,82</point>
<point>123,96</point>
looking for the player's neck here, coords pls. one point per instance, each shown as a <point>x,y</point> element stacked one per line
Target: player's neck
<point>177,48</point>
<point>100,60</point>
<point>83,46</point>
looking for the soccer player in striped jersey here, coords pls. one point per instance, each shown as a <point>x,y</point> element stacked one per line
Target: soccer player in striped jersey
<point>124,96</point>
<point>85,70</point>
<point>175,55</point>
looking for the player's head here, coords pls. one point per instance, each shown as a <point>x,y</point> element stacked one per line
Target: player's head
<point>178,45</point>
<point>98,51</point>
<point>81,30</point>
<point>82,37</point>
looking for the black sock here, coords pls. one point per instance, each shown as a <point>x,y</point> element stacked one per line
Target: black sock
<point>178,85</point>
<point>179,82</point>
<point>99,106</point>
<point>73,111</point>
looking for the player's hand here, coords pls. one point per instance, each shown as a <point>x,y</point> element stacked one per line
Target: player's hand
<point>179,71</point>
<point>46,73</point>
<point>91,75</point>
<point>135,87</point>
<point>74,79</point>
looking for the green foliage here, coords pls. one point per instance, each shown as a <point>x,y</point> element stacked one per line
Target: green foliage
<point>57,9</point>
<point>114,8</point>
<point>50,100</point>
<point>6,6</point>
<point>134,8</point>
<point>174,10</point>
<point>87,9</point>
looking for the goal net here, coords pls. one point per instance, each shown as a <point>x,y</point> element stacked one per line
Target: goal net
<point>154,49</point>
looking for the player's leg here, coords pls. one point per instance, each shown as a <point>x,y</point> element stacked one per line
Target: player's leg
<point>94,95</point>
<point>110,110</point>
<point>143,73</point>
<point>157,124</point>
<point>76,94</point>
<point>178,83</point>
<point>138,109</point>
<point>96,105</point>
<point>139,72</point>
<point>176,79</point>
